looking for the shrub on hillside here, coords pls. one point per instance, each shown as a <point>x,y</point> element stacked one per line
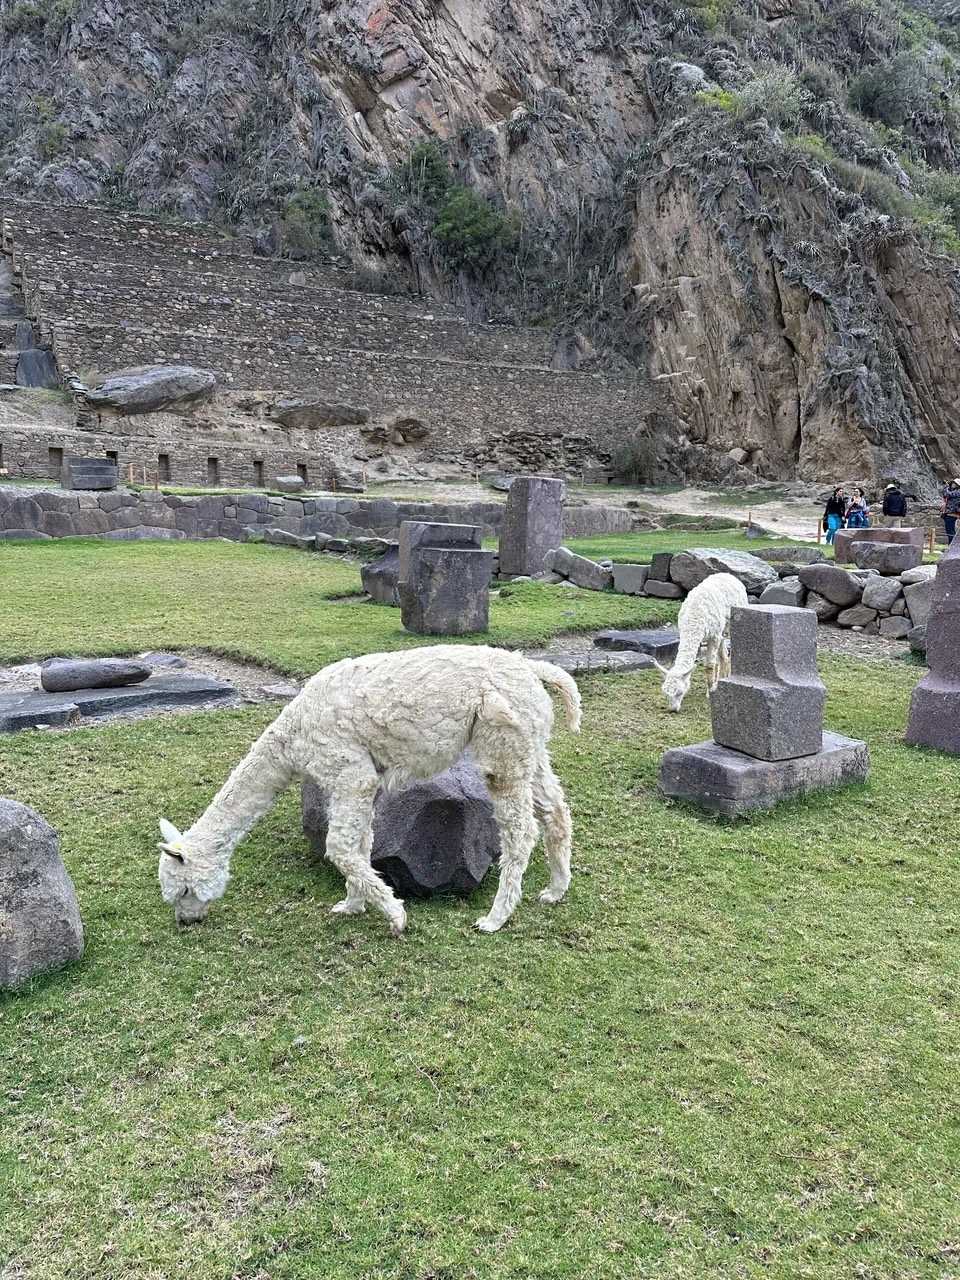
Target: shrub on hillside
<point>469,230</point>
<point>891,91</point>
<point>305,224</point>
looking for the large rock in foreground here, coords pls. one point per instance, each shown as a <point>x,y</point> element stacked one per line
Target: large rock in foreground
<point>57,675</point>
<point>151,387</point>
<point>40,927</point>
<point>431,837</point>
<point>689,568</point>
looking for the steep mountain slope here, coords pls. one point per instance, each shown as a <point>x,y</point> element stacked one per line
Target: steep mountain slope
<point>755,203</point>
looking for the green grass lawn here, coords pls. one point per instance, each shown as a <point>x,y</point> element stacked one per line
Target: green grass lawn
<point>733,1051</point>
<point>640,546</point>
<point>245,600</point>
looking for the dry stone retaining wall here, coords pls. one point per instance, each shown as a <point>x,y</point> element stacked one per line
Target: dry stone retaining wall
<point>124,514</point>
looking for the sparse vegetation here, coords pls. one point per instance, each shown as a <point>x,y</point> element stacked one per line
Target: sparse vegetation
<point>305,224</point>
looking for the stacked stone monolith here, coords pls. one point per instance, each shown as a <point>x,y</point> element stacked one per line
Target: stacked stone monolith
<point>532,524</point>
<point>444,583</point>
<point>935,705</point>
<point>89,473</point>
<point>768,737</point>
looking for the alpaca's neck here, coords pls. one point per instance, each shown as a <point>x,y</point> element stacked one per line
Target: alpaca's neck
<point>246,796</point>
<point>687,650</point>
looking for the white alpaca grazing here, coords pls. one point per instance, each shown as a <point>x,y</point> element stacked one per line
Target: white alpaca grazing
<point>380,721</point>
<point>703,619</point>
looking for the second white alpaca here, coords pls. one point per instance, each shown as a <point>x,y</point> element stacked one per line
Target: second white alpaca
<point>380,721</point>
<point>702,621</point>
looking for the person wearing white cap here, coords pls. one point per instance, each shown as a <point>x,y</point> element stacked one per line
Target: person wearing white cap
<point>951,508</point>
<point>894,506</point>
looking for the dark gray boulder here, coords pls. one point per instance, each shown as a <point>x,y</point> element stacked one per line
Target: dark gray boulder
<point>316,414</point>
<point>290,484</point>
<point>886,557</point>
<point>431,837</point>
<point>917,637</point>
<point>381,577</point>
<point>151,387</point>
<point>40,927</point>
<point>833,583</point>
<point>657,642</point>
<point>59,675</point>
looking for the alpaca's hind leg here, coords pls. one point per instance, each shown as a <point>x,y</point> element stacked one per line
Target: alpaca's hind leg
<point>354,903</point>
<point>553,815</point>
<point>349,837</point>
<point>513,809</point>
<point>713,646</point>
<point>725,658</point>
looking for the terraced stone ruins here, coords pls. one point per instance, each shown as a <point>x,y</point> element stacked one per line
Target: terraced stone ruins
<point>312,377</point>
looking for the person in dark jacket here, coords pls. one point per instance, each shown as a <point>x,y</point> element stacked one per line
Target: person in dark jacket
<point>834,512</point>
<point>951,508</point>
<point>894,506</point>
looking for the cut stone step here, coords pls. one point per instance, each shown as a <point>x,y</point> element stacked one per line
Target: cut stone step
<point>21,710</point>
<point>659,642</point>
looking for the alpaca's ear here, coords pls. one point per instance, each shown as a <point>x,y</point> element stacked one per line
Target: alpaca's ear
<point>172,842</point>
<point>659,665</point>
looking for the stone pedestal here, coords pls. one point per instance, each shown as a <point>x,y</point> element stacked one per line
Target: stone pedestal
<point>532,524</point>
<point>446,592</point>
<point>767,716</point>
<point>935,705</point>
<point>771,706</point>
<point>89,473</point>
<point>438,836</point>
<point>730,783</point>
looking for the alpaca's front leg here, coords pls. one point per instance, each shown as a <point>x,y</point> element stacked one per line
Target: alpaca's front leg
<point>713,647</point>
<point>349,837</point>
<point>725,658</point>
<point>355,903</point>
<point>513,810</point>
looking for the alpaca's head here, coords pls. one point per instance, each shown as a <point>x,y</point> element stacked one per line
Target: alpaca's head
<point>187,879</point>
<point>675,686</point>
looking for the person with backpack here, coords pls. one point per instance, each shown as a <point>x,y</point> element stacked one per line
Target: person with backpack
<point>950,508</point>
<point>834,512</point>
<point>894,506</point>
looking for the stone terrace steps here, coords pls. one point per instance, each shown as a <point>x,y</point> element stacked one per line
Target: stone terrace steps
<point>337,322</point>
<point>123,254</point>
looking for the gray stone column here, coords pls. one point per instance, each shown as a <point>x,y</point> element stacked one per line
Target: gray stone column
<point>771,706</point>
<point>532,524</point>
<point>935,705</point>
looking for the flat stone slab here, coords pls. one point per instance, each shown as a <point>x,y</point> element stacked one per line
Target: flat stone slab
<point>886,557</point>
<point>596,660</point>
<point>659,642</point>
<point>844,539</point>
<point>730,783</point>
<point>160,692</point>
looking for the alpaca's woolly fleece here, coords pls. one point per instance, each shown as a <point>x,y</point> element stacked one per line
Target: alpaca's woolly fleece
<point>702,621</point>
<point>383,720</point>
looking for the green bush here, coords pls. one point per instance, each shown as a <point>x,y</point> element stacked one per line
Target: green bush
<point>634,460</point>
<point>306,224</point>
<point>52,139</point>
<point>775,96</point>
<point>891,91</point>
<point>425,174</point>
<point>721,99</point>
<point>469,230</point>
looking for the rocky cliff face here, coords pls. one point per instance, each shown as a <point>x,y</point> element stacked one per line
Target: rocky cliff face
<point>755,203</point>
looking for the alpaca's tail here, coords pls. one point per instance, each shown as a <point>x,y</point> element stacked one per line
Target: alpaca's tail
<point>565,687</point>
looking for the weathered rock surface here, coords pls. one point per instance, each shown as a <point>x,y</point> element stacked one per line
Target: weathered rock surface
<point>24,710</point>
<point>40,926</point>
<point>150,388</point>
<point>895,628</point>
<point>583,572</point>
<point>630,579</point>
<point>689,568</point>
<point>856,616</point>
<point>316,414</point>
<point>289,484</point>
<point>887,557</point>
<point>788,591</point>
<point>833,584</point>
<point>935,705</point>
<point>58,675</point>
<point>446,592</point>
<point>920,574</point>
<point>919,597</point>
<point>881,593</point>
<point>431,837</point>
<point>845,538</point>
